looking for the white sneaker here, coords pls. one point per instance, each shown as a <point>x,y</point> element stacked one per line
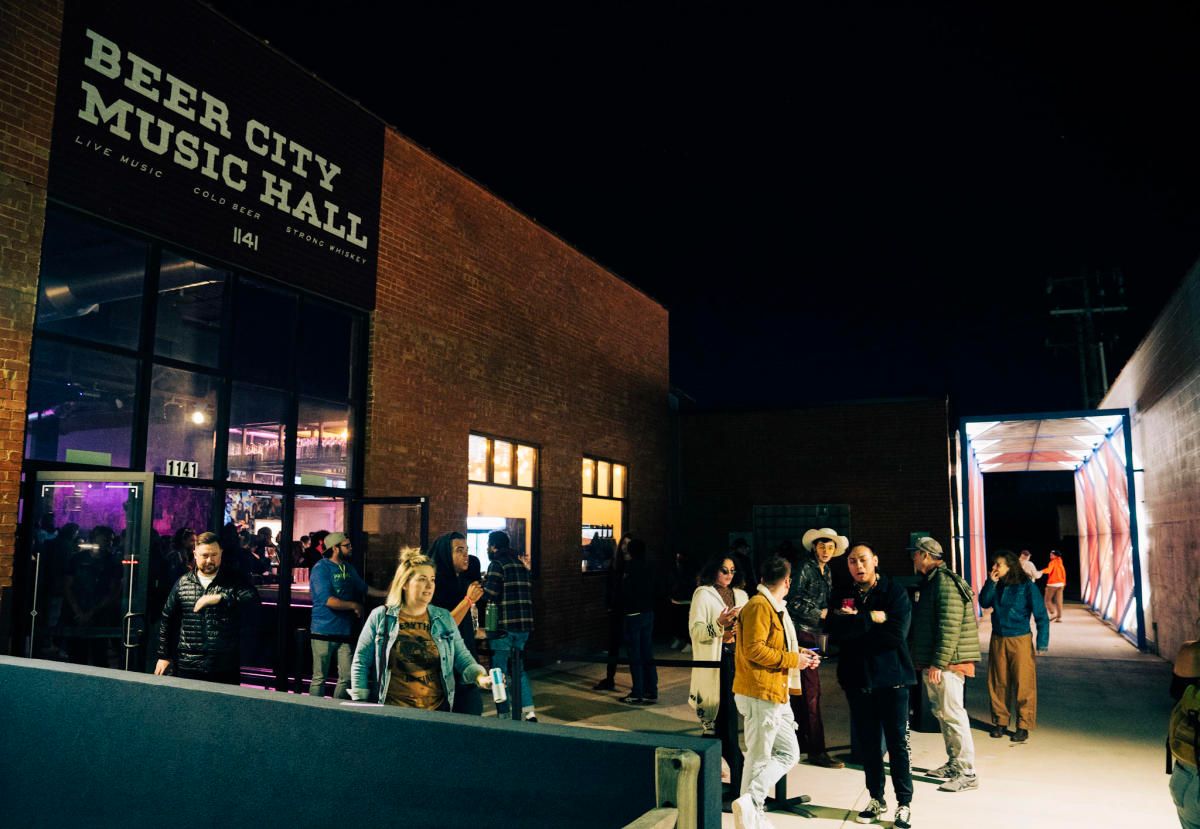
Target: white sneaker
<point>745,813</point>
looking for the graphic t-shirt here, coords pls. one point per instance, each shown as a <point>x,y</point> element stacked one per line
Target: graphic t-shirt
<point>415,666</point>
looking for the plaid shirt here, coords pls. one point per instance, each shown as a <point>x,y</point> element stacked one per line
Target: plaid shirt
<point>507,583</point>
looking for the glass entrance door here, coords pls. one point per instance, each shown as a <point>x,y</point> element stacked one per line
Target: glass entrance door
<point>91,568</point>
<point>381,528</point>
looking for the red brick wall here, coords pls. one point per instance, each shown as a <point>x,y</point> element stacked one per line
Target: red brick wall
<point>1160,385</point>
<point>29,37</point>
<point>888,461</point>
<point>486,322</point>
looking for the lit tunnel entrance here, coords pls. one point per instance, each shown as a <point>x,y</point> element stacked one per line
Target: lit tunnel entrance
<point>1097,446</point>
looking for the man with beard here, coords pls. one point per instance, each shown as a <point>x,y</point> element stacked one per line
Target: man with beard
<point>338,592</point>
<point>202,619</point>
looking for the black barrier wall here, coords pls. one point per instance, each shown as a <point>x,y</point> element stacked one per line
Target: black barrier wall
<point>99,748</point>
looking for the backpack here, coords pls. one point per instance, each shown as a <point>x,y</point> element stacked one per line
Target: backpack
<point>1183,736</point>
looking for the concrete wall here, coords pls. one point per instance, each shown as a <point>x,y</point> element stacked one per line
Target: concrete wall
<point>1160,385</point>
<point>487,322</point>
<point>29,36</point>
<point>889,461</point>
<point>99,748</point>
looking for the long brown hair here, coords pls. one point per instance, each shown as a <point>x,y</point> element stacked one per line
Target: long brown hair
<point>1016,574</point>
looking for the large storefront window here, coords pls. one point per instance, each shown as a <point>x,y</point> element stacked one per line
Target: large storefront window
<point>190,300</point>
<point>603,484</point>
<point>81,405</point>
<point>257,434</point>
<point>323,443</point>
<point>505,497</point>
<point>241,394</point>
<point>181,428</point>
<point>91,282</point>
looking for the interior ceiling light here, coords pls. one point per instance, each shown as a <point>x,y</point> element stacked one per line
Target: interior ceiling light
<point>1070,464</point>
<point>988,467</point>
<point>984,444</point>
<point>1091,441</point>
<point>987,457</point>
<point>976,429</point>
<point>198,417</point>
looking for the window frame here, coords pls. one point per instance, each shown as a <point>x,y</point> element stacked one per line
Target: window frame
<point>623,500</point>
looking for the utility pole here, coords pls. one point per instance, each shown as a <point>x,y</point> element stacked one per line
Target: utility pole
<point>1082,300</point>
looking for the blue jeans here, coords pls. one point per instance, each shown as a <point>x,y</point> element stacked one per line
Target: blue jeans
<point>500,652</point>
<point>638,630</point>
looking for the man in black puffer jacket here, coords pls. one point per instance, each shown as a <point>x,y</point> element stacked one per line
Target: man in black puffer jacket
<point>201,621</point>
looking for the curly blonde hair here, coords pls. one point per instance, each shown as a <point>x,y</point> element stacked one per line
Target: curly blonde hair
<point>410,559</point>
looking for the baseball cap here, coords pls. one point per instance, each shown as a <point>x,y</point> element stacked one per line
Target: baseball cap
<point>927,545</point>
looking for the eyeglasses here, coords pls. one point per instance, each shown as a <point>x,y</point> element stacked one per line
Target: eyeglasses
<point>727,572</point>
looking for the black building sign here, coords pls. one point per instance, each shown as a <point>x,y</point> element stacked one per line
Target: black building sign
<point>172,121</point>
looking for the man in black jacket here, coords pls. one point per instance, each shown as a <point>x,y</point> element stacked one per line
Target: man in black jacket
<point>202,618</point>
<point>875,670</point>
<point>808,604</point>
<point>637,603</point>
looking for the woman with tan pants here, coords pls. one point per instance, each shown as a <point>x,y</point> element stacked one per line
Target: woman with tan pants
<point>1011,672</point>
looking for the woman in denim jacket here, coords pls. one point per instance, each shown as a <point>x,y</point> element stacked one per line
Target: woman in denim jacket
<point>1011,672</point>
<point>410,651</point>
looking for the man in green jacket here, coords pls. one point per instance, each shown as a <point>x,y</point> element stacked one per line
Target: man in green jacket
<point>944,640</point>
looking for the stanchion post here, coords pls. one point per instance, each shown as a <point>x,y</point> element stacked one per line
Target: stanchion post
<point>301,643</point>
<point>727,727</point>
<point>515,667</point>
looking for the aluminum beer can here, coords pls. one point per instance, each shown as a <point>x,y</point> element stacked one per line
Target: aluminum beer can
<point>498,692</point>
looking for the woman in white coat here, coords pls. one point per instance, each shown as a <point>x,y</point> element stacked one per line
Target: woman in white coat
<point>715,606</point>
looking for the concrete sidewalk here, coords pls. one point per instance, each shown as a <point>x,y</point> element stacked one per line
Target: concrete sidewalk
<point>1096,758</point>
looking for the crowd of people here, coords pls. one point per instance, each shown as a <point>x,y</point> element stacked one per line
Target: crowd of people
<point>770,637</point>
<point>421,648</point>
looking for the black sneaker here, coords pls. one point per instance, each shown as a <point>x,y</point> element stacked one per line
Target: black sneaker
<point>997,731</point>
<point>1020,735</point>
<point>605,685</point>
<point>874,809</point>
<point>631,700</point>
<point>648,700</point>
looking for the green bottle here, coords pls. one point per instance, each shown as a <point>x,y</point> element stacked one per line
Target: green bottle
<point>491,619</point>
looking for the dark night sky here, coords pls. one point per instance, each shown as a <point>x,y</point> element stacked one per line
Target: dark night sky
<point>841,200</point>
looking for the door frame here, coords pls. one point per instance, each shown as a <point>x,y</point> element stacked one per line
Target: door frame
<point>141,555</point>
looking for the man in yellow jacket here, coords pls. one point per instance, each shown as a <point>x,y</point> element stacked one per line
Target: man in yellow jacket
<point>767,663</point>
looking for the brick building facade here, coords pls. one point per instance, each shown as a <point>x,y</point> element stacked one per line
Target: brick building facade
<point>482,322</point>
<point>1160,385</point>
<point>888,462</point>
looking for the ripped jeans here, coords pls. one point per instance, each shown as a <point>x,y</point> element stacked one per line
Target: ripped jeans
<point>771,745</point>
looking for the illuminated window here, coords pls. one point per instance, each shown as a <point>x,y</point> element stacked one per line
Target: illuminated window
<point>477,458</point>
<point>604,485</point>
<point>526,466</point>
<point>501,462</point>
<point>589,476</point>
<point>502,456</point>
<point>501,495</point>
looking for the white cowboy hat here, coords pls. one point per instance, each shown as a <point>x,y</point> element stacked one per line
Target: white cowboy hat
<point>810,538</point>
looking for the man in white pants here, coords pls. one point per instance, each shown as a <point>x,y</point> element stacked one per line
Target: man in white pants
<point>768,661</point>
<point>944,642</point>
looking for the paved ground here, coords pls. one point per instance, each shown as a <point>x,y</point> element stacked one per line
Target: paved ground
<point>1095,760</point>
